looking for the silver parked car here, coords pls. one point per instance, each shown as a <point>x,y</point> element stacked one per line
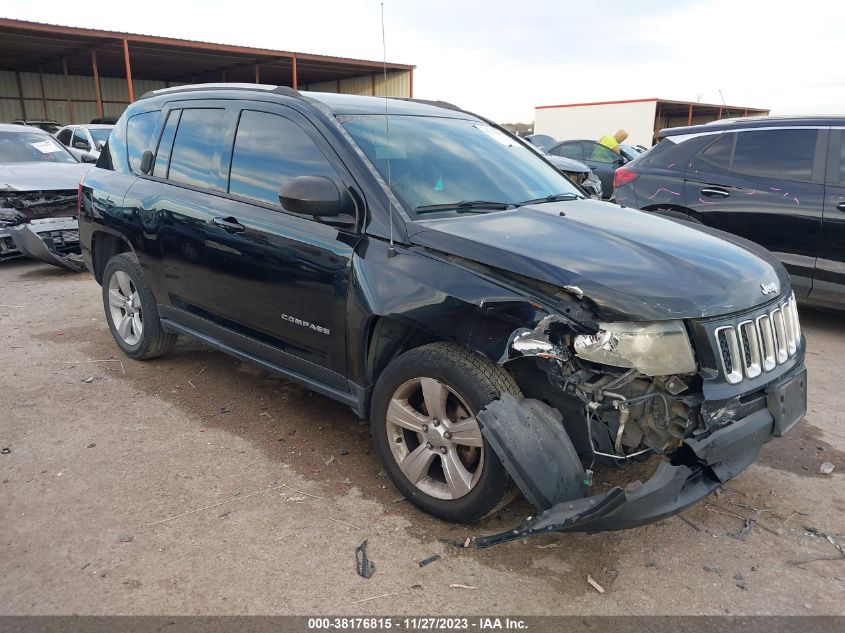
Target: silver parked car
<point>84,141</point>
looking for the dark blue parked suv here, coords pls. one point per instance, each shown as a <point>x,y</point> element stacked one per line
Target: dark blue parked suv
<point>779,182</point>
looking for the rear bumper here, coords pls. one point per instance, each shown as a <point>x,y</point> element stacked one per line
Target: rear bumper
<point>694,471</point>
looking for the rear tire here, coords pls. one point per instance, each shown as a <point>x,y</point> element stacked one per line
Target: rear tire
<point>424,430</point>
<point>132,311</point>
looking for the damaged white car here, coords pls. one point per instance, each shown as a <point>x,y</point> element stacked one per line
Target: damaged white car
<point>39,181</point>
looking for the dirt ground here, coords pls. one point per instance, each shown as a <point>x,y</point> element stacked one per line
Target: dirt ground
<point>197,484</point>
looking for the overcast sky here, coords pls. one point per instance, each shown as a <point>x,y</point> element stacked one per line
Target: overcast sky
<point>502,58</point>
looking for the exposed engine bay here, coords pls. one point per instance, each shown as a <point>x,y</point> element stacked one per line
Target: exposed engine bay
<point>41,225</point>
<point>626,414</point>
<point>596,399</point>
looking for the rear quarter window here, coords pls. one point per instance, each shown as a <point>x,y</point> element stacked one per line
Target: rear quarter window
<point>139,131</point>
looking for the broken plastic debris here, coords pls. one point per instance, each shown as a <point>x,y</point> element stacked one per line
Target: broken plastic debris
<point>746,529</point>
<point>594,584</point>
<point>457,585</point>
<point>363,565</point>
<point>429,560</point>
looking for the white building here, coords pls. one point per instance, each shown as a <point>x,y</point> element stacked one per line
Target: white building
<point>641,118</point>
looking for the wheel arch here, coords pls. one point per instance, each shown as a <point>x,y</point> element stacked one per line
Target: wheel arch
<point>104,246</point>
<point>387,338</point>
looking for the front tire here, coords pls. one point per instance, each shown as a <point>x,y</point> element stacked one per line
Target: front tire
<point>425,432</point>
<point>131,310</point>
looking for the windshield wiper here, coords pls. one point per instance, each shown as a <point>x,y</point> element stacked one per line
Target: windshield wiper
<point>466,206</point>
<point>555,197</point>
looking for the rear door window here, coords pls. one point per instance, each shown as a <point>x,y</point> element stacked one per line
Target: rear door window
<point>786,154</point>
<point>64,136</point>
<point>569,150</point>
<point>269,151</point>
<point>197,136</point>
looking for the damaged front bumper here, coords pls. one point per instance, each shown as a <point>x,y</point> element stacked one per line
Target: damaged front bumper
<point>701,465</point>
<point>40,225</point>
<point>50,240</point>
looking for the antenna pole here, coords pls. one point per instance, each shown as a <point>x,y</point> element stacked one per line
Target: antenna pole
<point>724,105</point>
<point>391,249</point>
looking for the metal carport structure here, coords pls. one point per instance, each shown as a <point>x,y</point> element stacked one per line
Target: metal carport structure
<point>74,74</point>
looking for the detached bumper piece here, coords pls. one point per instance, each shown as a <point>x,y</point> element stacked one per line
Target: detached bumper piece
<point>694,471</point>
<point>50,240</point>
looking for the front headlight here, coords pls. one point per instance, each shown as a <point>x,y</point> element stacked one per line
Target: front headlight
<point>657,348</point>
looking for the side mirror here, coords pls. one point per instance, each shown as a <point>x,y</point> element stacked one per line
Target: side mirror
<point>146,162</point>
<point>87,158</point>
<point>81,145</point>
<point>316,195</point>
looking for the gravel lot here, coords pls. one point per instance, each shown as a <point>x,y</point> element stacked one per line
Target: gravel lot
<point>197,484</point>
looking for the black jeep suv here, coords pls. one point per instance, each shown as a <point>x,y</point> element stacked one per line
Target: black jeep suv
<point>444,280</point>
<point>779,181</point>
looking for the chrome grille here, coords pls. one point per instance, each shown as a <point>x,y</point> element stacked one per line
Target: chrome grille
<point>752,347</point>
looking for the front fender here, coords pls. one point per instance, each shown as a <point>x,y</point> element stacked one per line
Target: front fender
<point>432,294</point>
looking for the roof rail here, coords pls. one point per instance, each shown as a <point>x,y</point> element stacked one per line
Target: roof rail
<point>282,90</point>
<point>439,104</point>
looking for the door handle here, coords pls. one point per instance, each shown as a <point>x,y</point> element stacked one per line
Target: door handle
<point>714,192</point>
<point>841,206</point>
<point>229,224</point>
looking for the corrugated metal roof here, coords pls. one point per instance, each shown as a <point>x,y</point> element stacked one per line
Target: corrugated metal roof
<point>85,32</point>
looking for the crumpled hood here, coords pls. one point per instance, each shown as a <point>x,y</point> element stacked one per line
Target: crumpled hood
<point>631,264</point>
<point>42,176</point>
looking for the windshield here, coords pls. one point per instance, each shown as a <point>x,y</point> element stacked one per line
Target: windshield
<point>32,147</point>
<point>442,161</point>
<point>100,134</point>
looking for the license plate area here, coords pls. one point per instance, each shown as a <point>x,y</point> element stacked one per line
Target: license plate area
<point>787,402</point>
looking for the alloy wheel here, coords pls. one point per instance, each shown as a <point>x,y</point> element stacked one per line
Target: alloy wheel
<point>125,308</point>
<point>435,438</point>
